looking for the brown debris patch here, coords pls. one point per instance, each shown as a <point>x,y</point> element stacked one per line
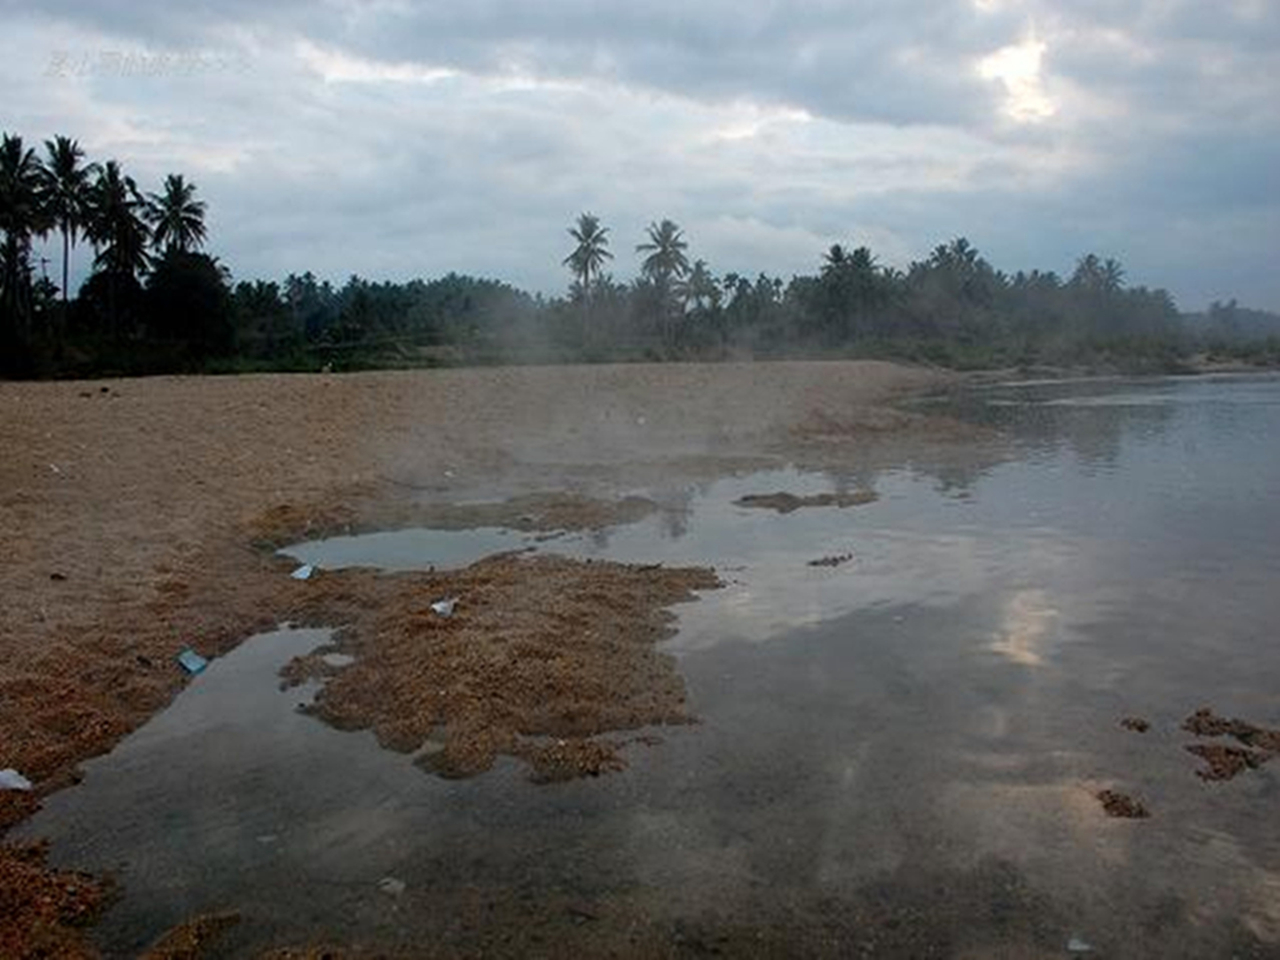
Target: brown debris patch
<point>42,910</point>
<point>1136,724</point>
<point>1205,723</point>
<point>17,805</point>
<point>1223,762</point>
<point>190,940</point>
<point>789,502</point>
<point>537,647</point>
<point>1258,745</point>
<point>834,560</point>
<point>1121,805</point>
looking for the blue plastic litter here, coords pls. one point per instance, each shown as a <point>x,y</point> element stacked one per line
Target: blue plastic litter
<point>191,661</point>
<point>303,572</point>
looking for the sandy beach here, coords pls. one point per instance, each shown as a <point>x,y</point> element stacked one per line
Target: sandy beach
<point>139,517</point>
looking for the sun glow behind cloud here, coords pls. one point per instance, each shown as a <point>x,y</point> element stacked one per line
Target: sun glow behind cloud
<point>1018,69</point>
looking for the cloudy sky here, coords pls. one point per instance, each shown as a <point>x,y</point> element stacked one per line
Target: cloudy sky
<point>393,138</point>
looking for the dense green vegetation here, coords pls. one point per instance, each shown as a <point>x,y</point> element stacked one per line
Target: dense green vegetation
<point>156,302</point>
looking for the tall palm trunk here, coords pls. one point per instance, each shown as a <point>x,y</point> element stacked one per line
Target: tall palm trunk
<point>586,304</point>
<point>66,254</point>
<point>60,331</point>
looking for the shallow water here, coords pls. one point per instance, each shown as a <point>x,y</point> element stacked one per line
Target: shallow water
<point>898,753</point>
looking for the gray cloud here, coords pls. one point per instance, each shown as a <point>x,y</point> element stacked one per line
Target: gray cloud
<point>393,138</point>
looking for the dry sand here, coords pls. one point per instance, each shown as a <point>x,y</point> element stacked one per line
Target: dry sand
<point>135,515</point>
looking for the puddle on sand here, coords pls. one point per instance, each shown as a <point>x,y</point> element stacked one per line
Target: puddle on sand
<point>908,546</point>
<point>934,715</point>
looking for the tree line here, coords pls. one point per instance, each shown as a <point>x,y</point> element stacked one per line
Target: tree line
<point>176,317</point>
<point>155,301</point>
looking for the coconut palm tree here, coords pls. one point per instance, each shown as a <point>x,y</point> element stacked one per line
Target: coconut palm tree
<point>119,232</point>
<point>666,247</point>
<point>588,257</point>
<point>176,216</point>
<point>66,190</point>
<point>666,262</point>
<point>1112,275</point>
<point>699,287</point>
<point>22,215</point>
<point>116,222</point>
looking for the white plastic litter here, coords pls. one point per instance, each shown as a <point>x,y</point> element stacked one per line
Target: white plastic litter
<point>1079,945</point>
<point>445,607</point>
<point>304,572</point>
<point>12,780</point>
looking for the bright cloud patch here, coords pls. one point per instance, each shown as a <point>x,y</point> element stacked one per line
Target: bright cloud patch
<point>1018,69</point>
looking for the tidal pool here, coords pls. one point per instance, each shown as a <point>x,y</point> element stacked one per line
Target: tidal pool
<point>898,754</point>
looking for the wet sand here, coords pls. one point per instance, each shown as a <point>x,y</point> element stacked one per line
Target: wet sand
<point>537,658</point>
<point>140,514</point>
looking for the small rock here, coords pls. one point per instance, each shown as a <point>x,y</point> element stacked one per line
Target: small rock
<point>1121,805</point>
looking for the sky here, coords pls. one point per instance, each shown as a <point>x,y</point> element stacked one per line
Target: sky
<point>394,139</point>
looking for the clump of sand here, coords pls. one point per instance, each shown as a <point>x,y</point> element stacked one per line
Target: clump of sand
<point>43,911</point>
<point>193,938</point>
<point>536,647</point>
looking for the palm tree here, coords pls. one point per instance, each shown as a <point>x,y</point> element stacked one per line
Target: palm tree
<point>1112,275</point>
<point>666,247</point>
<point>117,228</point>
<point>22,215</point>
<point>591,252</point>
<point>116,222</point>
<point>586,259</point>
<point>666,261</point>
<point>177,217</point>
<point>699,286</point>
<point>66,189</point>
<point>834,258</point>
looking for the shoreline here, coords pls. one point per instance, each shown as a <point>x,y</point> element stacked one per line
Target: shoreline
<point>143,512</point>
